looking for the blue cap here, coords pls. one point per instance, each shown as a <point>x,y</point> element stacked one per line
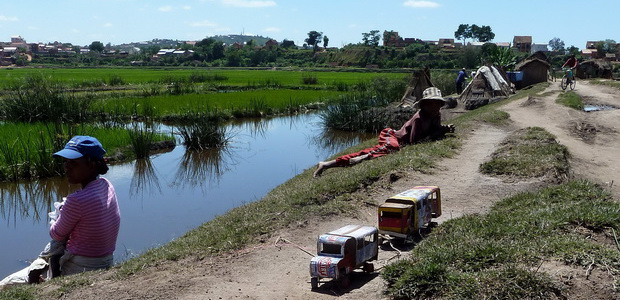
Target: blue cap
<point>82,145</point>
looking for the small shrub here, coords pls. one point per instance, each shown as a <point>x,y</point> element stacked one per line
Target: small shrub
<point>308,78</point>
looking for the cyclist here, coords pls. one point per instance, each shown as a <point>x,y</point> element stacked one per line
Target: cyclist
<point>571,63</point>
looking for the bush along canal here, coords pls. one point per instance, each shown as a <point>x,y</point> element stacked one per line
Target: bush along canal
<point>167,195</point>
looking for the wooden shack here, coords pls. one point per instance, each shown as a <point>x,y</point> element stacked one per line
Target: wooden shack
<point>535,70</point>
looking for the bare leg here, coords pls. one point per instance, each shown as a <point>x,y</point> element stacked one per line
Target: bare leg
<point>322,166</point>
<point>332,163</point>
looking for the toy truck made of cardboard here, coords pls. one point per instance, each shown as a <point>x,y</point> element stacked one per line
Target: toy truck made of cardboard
<point>404,214</point>
<point>341,251</point>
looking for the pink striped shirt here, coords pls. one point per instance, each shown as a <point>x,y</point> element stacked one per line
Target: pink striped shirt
<point>89,220</point>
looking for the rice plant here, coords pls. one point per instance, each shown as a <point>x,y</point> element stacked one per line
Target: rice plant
<point>308,78</point>
<point>38,98</point>
<point>141,137</point>
<point>115,79</point>
<point>203,135</point>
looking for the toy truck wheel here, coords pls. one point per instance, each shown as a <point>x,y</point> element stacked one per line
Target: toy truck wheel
<point>314,283</point>
<point>345,281</point>
<point>369,267</point>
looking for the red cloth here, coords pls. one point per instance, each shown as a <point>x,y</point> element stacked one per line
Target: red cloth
<point>422,125</point>
<point>387,143</point>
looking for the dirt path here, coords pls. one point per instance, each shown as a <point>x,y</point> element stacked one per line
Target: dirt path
<point>278,268</point>
<point>591,137</point>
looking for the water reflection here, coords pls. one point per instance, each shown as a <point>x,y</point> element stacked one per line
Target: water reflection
<point>30,200</point>
<point>336,140</point>
<point>201,168</point>
<point>145,179</point>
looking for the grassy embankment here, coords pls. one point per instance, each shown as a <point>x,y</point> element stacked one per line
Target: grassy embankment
<point>610,83</point>
<point>294,201</point>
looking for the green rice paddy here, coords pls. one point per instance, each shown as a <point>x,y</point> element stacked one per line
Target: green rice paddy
<point>231,77</point>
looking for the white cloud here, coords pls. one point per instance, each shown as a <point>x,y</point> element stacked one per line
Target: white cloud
<point>272,29</point>
<point>186,7</point>
<point>167,8</point>
<point>8,19</point>
<point>249,3</point>
<point>107,25</point>
<point>421,4</point>
<point>205,23</point>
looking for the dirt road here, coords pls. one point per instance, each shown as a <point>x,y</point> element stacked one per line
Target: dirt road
<point>278,268</point>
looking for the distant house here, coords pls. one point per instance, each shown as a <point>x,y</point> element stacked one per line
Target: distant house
<point>181,52</point>
<point>392,39</point>
<point>523,43</point>
<point>539,47</point>
<point>164,52</point>
<point>589,53</point>
<point>611,57</point>
<point>237,45</point>
<point>591,44</point>
<point>9,51</point>
<point>446,43</point>
<point>271,44</point>
<point>503,44</point>
<point>476,44</point>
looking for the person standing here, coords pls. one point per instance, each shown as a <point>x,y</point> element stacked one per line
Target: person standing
<point>89,219</point>
<point>425,124</point>
<point>460,79</point>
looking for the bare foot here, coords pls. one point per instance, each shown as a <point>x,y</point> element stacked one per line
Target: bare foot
<point>319,169</point>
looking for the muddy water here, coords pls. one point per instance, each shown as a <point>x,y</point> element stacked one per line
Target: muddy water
<point>173,192</point>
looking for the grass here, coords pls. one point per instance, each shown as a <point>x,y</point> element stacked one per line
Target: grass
<point>491,256</point>
<point>570,99</point>
<point>26,149</point>
<point>610,83</point>
<point>229,77</point>
<point>530,152</point>
<point>235,103</point>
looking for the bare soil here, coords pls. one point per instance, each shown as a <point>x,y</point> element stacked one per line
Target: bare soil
<point>278,268</point>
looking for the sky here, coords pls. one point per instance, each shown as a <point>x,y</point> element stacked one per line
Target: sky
<point>81,22</point>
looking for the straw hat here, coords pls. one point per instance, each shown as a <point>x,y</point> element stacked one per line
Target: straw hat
<point>430,94</point>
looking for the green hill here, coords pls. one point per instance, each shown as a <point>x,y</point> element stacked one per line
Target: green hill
<point>242,39</point>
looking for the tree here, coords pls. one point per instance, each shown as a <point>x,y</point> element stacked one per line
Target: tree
<point>556,44</point>
<point>314,38</point>
<point>483,33</point>
<point>463,33</point>
<point>572,50</point>
<point>96,46</point>
<point>287,44</point>
<point>607,46</point>
<point>325,41</point>
<point>371,38</point>
<point>478,33</point>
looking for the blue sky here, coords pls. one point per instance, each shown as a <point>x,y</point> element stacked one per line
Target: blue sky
<point>120,21</point>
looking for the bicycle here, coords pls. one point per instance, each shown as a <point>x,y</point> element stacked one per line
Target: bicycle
<point>568,80</point>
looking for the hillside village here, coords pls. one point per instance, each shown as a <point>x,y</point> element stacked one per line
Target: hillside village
<point>18,50</point>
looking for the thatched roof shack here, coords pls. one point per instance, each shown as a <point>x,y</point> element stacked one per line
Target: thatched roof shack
<point>488,85</point>
<point>420,80</point>
<point>535,70</point>
<point>594,68</point>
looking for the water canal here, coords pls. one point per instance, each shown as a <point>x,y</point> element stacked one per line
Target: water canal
<point>173,192</point>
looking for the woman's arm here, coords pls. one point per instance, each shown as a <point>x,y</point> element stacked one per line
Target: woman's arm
<point>68,219</point>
